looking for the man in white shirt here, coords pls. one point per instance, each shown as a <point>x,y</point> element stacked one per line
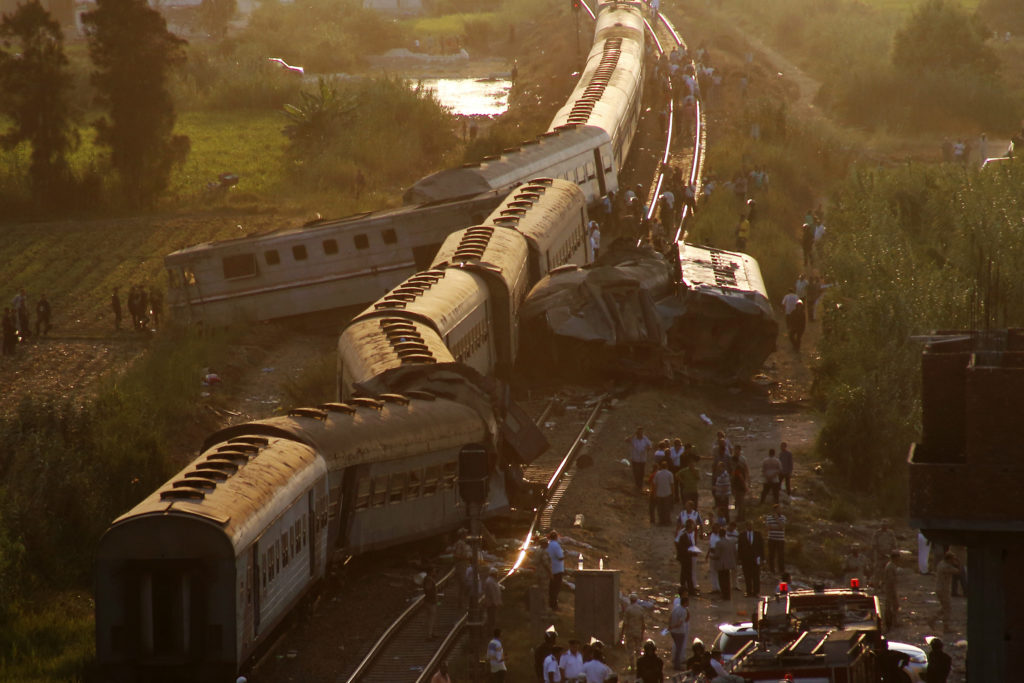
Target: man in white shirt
<point>663,484</point>
<point>789,302</point>
<point>557,556</point>
<point>552,674</point>
<point>571,663</point>
<point>496,658</point>
<point>596,671</point>
<point>639,450</point>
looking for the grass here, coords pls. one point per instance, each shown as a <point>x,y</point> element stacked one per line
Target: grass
<point>50,641</point>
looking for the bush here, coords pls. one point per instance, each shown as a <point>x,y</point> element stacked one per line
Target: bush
<point>909,250</point>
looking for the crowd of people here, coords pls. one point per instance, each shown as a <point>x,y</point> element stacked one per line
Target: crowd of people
<point>144,305</point>
<point>17,321</point>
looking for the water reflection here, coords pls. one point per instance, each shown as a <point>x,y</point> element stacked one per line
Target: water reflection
<point>471,96</point>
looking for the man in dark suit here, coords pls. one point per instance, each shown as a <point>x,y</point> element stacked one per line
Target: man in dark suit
<point>751,552</point>
<point>686,539</point>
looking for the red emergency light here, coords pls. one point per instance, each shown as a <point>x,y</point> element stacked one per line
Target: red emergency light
<point>783,587</point>
<point>855,584</point>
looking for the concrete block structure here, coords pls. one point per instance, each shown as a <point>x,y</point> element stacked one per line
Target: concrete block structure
<point>965,477</point>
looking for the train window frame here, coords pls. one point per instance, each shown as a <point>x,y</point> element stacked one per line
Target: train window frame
<point>396,487</point>
<point>291,537</point>
<point>271,257</point>
<point>284,548</point>
<point>239,266</point>
<point>361,241</point>
<point>299,252</point>
<point>449,473</point>
<point>379,491</point>
<point>431,479</point>
<point>330,247</point>
<point>591,170</point>
<point>272,561</point>
<point>305,530</point>
<point>389,236</point>
<point>413,484</point>
<point>363,497</point>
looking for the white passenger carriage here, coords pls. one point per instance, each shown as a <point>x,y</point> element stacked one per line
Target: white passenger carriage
<point>321,266</point>
<point>609,93</point>
<point>580,154</point>
<point>194,579</point>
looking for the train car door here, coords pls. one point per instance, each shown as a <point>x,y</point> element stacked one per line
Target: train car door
<point>600,172</point>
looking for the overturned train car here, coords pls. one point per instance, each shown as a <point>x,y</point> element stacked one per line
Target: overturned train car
<point>695,311</point>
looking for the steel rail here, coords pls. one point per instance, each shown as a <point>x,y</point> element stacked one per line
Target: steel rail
<point>449,640</point>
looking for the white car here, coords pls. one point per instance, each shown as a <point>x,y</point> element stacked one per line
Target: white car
<point>917,658</point>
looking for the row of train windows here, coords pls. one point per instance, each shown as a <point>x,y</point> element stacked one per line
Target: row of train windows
<point>394,488</point>
<point>470,342</point>
<point>285,548</point>
<point>581,174</point>
<point>244,265</point>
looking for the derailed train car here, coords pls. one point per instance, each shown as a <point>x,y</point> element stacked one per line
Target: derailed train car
<point>465,308</point>
<point>700,312</point>
<point>192,581</point>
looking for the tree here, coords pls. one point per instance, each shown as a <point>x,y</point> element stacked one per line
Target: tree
<point>133,54</point>
<point>35,87</point>
<point>943,36</point>
<point>318,120</point>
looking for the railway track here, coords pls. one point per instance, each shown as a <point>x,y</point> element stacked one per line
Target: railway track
<point>403,653</point>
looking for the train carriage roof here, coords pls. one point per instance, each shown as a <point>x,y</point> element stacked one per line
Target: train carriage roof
<point>238,484</point>
<point>532,207</point>
<point>369,347</point>
<point>731,276</point>
<point>440,298</point>
<point>532,159</point>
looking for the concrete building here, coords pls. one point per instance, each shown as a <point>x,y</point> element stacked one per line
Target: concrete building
<point>965,477</point>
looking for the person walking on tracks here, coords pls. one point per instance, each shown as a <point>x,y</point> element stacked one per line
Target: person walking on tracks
<point>557,556</point>
<point>430,601</point>
<point>491,599</point>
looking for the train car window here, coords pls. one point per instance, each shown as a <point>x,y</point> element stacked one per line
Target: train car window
<point>190,277</point>
<point>389,236</point>
<point>238,265</point>
<point>397,487</point>
<point>415,479</point>
<point>175,278</point>
<point>284,549</point>
<point>271,257</point>
<point>277,556</point>
<point>305,530</point>
<point>431,479</point>
<point>591,170</point>
<point>450,472</point>
<point>380,491</point>
<point>363,493</point>
<point>263,570</point>
<point>272,562</point>
<point>299,252</point>
<point>361,241</point>
<point>292,537</point>
<point>330,247</point>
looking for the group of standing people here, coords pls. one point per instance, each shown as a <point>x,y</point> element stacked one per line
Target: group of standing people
<point>16,325</point>
<point>145,306</point>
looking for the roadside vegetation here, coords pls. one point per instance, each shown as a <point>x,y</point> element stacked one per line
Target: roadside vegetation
<point>911,250</point>
<point>898,66</point>
<point>66,470</point>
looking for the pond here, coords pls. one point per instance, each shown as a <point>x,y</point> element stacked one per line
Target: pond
<point>471,96</point>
